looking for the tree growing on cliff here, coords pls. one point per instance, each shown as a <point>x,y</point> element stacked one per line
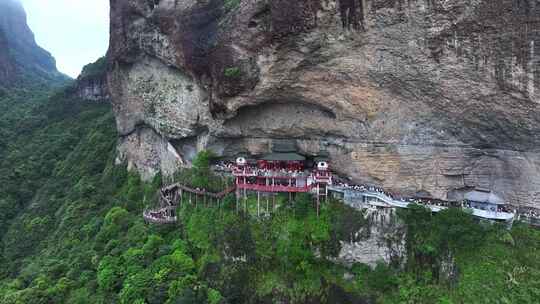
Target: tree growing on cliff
<point>201,173</point>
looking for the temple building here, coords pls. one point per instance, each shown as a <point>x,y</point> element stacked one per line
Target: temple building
<point>283,171</point>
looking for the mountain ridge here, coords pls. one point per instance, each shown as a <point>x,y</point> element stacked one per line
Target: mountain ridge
<point>23,61</point>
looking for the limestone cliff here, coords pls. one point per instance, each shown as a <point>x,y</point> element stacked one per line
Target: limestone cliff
<point>383,238</point>
<point>91,85</point>
<point>22,61</point>
<point>425,97</point>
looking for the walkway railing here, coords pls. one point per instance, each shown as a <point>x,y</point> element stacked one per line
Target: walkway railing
<point>274,188</point>
<point>160,216</point>
<point>534,221</point>
<point>169,197</point>
<point>349,196</point>
<point>204,192</point>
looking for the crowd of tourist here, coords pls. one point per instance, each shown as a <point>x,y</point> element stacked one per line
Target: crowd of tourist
<point>365,188</point>
<point>431,202</point>
<point>224,166</point>
<point>160,215</point>
<point>492,208</point>
<point>261,171</point>
<point>256,171</point>
<point>531,213</point>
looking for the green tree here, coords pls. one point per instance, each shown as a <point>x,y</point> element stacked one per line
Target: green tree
<point>110,273</point>
<point>201,169</point>
<point>136,287</point>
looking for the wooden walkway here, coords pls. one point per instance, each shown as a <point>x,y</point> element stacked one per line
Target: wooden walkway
<point>170,197</point>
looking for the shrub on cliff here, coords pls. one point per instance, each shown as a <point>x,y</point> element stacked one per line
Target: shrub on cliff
<point>95,69</point>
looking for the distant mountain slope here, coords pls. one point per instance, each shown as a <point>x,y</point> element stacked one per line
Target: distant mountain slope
<point>21,59</point>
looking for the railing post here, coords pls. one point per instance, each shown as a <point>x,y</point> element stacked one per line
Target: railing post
<point>267,204</point>
<point>237,194</point>
<point>245,201</point>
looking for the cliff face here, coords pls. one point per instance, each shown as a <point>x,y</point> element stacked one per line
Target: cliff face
<point>20,56</point>
<point>421,97</point>
<point>91,85</point>
<point>92,89</point>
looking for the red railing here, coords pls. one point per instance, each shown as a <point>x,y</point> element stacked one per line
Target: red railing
<point>275,188</point>
<point>277,176</point>
<point>218,195</point>
<point>246,172</point>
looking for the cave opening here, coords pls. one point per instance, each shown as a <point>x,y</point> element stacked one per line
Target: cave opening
<point>352,14</point>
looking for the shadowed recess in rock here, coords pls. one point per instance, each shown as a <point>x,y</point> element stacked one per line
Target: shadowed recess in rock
<point>275,118</point>
<point>352,13</point>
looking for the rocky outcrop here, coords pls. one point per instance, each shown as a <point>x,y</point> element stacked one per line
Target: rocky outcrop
<point>425,97</point>
<point>382,239</point>
<point>92,89</point>
<point>91,85</point>
<point>22,61</point>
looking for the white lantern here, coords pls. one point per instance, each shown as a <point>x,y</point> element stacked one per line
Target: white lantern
<point>322,166</point>
<point>240,161</point>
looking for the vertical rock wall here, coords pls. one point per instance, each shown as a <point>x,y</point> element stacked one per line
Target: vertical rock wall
<point>423,97</point>
<point>381,240</point>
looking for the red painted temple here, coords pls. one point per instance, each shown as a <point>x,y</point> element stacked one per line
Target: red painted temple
<point>285,172</point>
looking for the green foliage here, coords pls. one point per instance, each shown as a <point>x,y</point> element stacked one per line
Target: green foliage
<point>97,68</point>
<point>201,169</point>
<point>232,72</point>
<point>72,232</point>
<point>231,4</point>
<point>382,279</point>
<point>432,238</point>
<point>302,205</point>
<point>200,175</point>
<point>109,274</point>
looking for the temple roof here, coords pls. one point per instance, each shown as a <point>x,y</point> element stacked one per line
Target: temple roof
<point>322,156</point>
<point>283,157</point>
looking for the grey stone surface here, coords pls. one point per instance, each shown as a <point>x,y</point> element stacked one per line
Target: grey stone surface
<point>381,240</point>
<point>421,96</point>
<point>92,88</point>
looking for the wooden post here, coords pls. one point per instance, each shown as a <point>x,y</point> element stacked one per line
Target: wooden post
<point>258,204</point>
<point>326,193</point>
<point>245,204</point>
<point>181,197</point>
<point>318,199</point>
<point>267,204</point>
<point>245,200</point>
<point>237,198</point>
